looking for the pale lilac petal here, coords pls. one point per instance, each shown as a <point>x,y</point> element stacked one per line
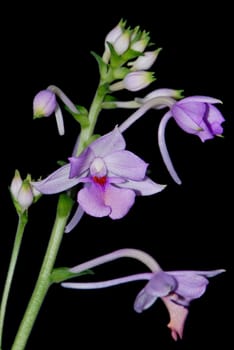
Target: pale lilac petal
<point>214,115</point>
<point>200,99</point>
<point>208,273</point>
<point>56,182</point>
<point>143,301</point>
<point>146,187</point>
<point>82,163</point>
<point>126,164</point>
<point>75,219</point>
<point>91,199</point>
<point>111,142</point>
<point>178,315</point>
<point>161,284</point>
<point>189,116</point>
<point>205,133</point>
<point>120,201</point>
<point>192,284</point>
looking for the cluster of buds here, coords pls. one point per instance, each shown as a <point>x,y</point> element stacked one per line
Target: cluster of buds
<point>126,60</point>
<point>23,193</point>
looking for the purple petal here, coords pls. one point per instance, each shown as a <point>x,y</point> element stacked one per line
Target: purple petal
<point>190,285</point>
<point>126,164</point>
<point>200,99</point>
<point>56,182</point>
<point>214,115</point>
<point>146,187</point>
<point>111,142</point>
<point>143,301</point>
<point>189,116</point>
<point>120,201</point>
<point>161,284</point>
<point>82,163</point>
<point>91,199</point>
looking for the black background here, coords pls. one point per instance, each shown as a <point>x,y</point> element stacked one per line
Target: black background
<point>183,227</point>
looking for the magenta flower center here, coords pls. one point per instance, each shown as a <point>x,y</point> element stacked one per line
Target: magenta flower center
<point>100,180</point>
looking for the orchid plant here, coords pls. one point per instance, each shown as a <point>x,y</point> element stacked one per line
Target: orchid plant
<point>101,177</point>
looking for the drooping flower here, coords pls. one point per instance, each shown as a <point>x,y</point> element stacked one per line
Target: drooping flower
<point>177,289</point>
<point>111,175</point>
<point>197,115</point>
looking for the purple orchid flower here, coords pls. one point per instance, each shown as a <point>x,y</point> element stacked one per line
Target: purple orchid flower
<point>176,288</point>
<point>195,115</point>
<point>111,175</point>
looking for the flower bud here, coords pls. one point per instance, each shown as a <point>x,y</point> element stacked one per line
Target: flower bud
<point>146,61</point>
<point>25,196</point>
<point>122,43</point>
<point>136,81</point>
<point>44,104</point>
<point>16,184</point>
<point>22,192</point>
<point>141,44</point>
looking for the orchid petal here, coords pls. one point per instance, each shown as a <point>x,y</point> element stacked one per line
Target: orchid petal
<point>214,115</point>
<point>189,116</point>
<point>81,164</point>
<point>192,284</point>
<point>126,164</point>
<point>120,201</point>
<point>143,301</point>
<point>178,315</point>
<point>111,142</point>
<point>56,182</point>
<point>200,99</point>
<point>161,284</point>
<point>145,187</point>
<point>91,199</point>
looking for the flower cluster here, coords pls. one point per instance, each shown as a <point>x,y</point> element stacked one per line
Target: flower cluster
<point>104,178</point>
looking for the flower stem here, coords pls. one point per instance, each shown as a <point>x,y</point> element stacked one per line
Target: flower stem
<point>23,219</point>
<point>94,111</point>
<point>44,279</point>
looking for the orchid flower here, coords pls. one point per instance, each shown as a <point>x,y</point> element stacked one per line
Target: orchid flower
<point>195,115</point>
<point>176,288</point>
<point>111,175</point>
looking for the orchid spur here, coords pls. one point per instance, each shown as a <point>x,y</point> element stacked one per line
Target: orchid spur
<point>176,288</point>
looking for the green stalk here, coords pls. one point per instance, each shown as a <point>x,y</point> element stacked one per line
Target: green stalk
<point>44,279</point>
<point>94,111</point>
<point>23,219</point>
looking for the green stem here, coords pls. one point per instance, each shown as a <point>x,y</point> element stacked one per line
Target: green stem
<point>94,111</point>
<point>23,219</point>
<point>44,279</point>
